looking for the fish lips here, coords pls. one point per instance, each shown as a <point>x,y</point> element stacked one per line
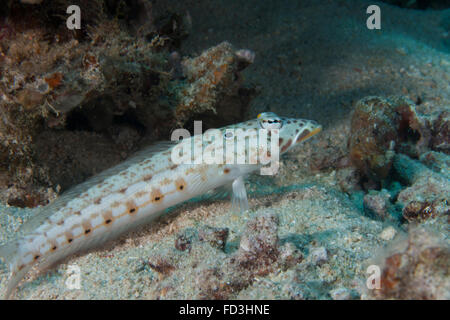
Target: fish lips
<point>306,134</point>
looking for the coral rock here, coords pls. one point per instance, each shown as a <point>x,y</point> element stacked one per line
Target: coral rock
<point>441,133</point>
<point>216,237</point>
<point>257,255</point>
<point>211,77</point>
<point>437,161</point>
<point>290,256</point>
<point>102,81</point>
<point>258,248</point>
<point>423,210</point>
<point>379,128</point>
<point>348,179</point>
<point>428,191</point>
<point>416,268</point>
<point>373,137</point>
<point>376,204</point>
<point>319,255</point>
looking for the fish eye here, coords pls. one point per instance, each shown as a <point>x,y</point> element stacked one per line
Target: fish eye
<point>228,135</point>
<point>269,120</point>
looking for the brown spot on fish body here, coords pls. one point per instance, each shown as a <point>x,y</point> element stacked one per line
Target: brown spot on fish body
<point>307,134</point>
<point>131,206</point>
<point>107,217</point>
<point>86,224</point>
<point>140,194</point>
<point>115,204</point>
<point>190,170</point>
<point>69,236</point>
<point>180,184</point>
<point>173,167</point>
<point>156,196</point>
<point>226,170</point>
<point>53,244</point>
<point>87,227</point>
<point>286,146</point>
<point>97,201</point>
<point>123,190</point>
<point>60,222</point>
<point>304,134</point>
<point>77,213</point>
<point>147,177</point>
<point>166,181</point>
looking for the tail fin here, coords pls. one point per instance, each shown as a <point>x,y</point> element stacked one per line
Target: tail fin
<point>8,253</point>
<point>16,277</point>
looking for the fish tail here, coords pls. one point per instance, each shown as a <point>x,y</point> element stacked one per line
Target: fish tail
<point>8,253</point>
<point>9,250</point>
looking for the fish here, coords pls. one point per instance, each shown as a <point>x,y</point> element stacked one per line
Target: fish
<point>139,190</point>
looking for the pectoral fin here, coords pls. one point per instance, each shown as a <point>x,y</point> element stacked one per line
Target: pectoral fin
<point>239,196</point>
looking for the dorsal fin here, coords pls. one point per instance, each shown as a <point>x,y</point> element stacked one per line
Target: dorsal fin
<point>44,212</point>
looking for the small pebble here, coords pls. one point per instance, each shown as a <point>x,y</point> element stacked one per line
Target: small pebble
<point>340,294</point>
<point>216,237</point>
<point>445,62</point>
<point>183,243</point>
<point>319,255</point>
<point>388,233</point>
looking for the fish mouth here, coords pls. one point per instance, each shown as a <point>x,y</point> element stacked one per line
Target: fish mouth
<point>302,138</point>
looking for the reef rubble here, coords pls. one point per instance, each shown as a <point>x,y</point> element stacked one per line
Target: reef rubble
<point>73,104</point>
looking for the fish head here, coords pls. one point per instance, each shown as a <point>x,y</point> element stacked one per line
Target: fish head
<point>291,131</point>
<point>258,141</point>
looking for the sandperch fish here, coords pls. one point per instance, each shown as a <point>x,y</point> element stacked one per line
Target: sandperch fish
<point>139,190</point>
